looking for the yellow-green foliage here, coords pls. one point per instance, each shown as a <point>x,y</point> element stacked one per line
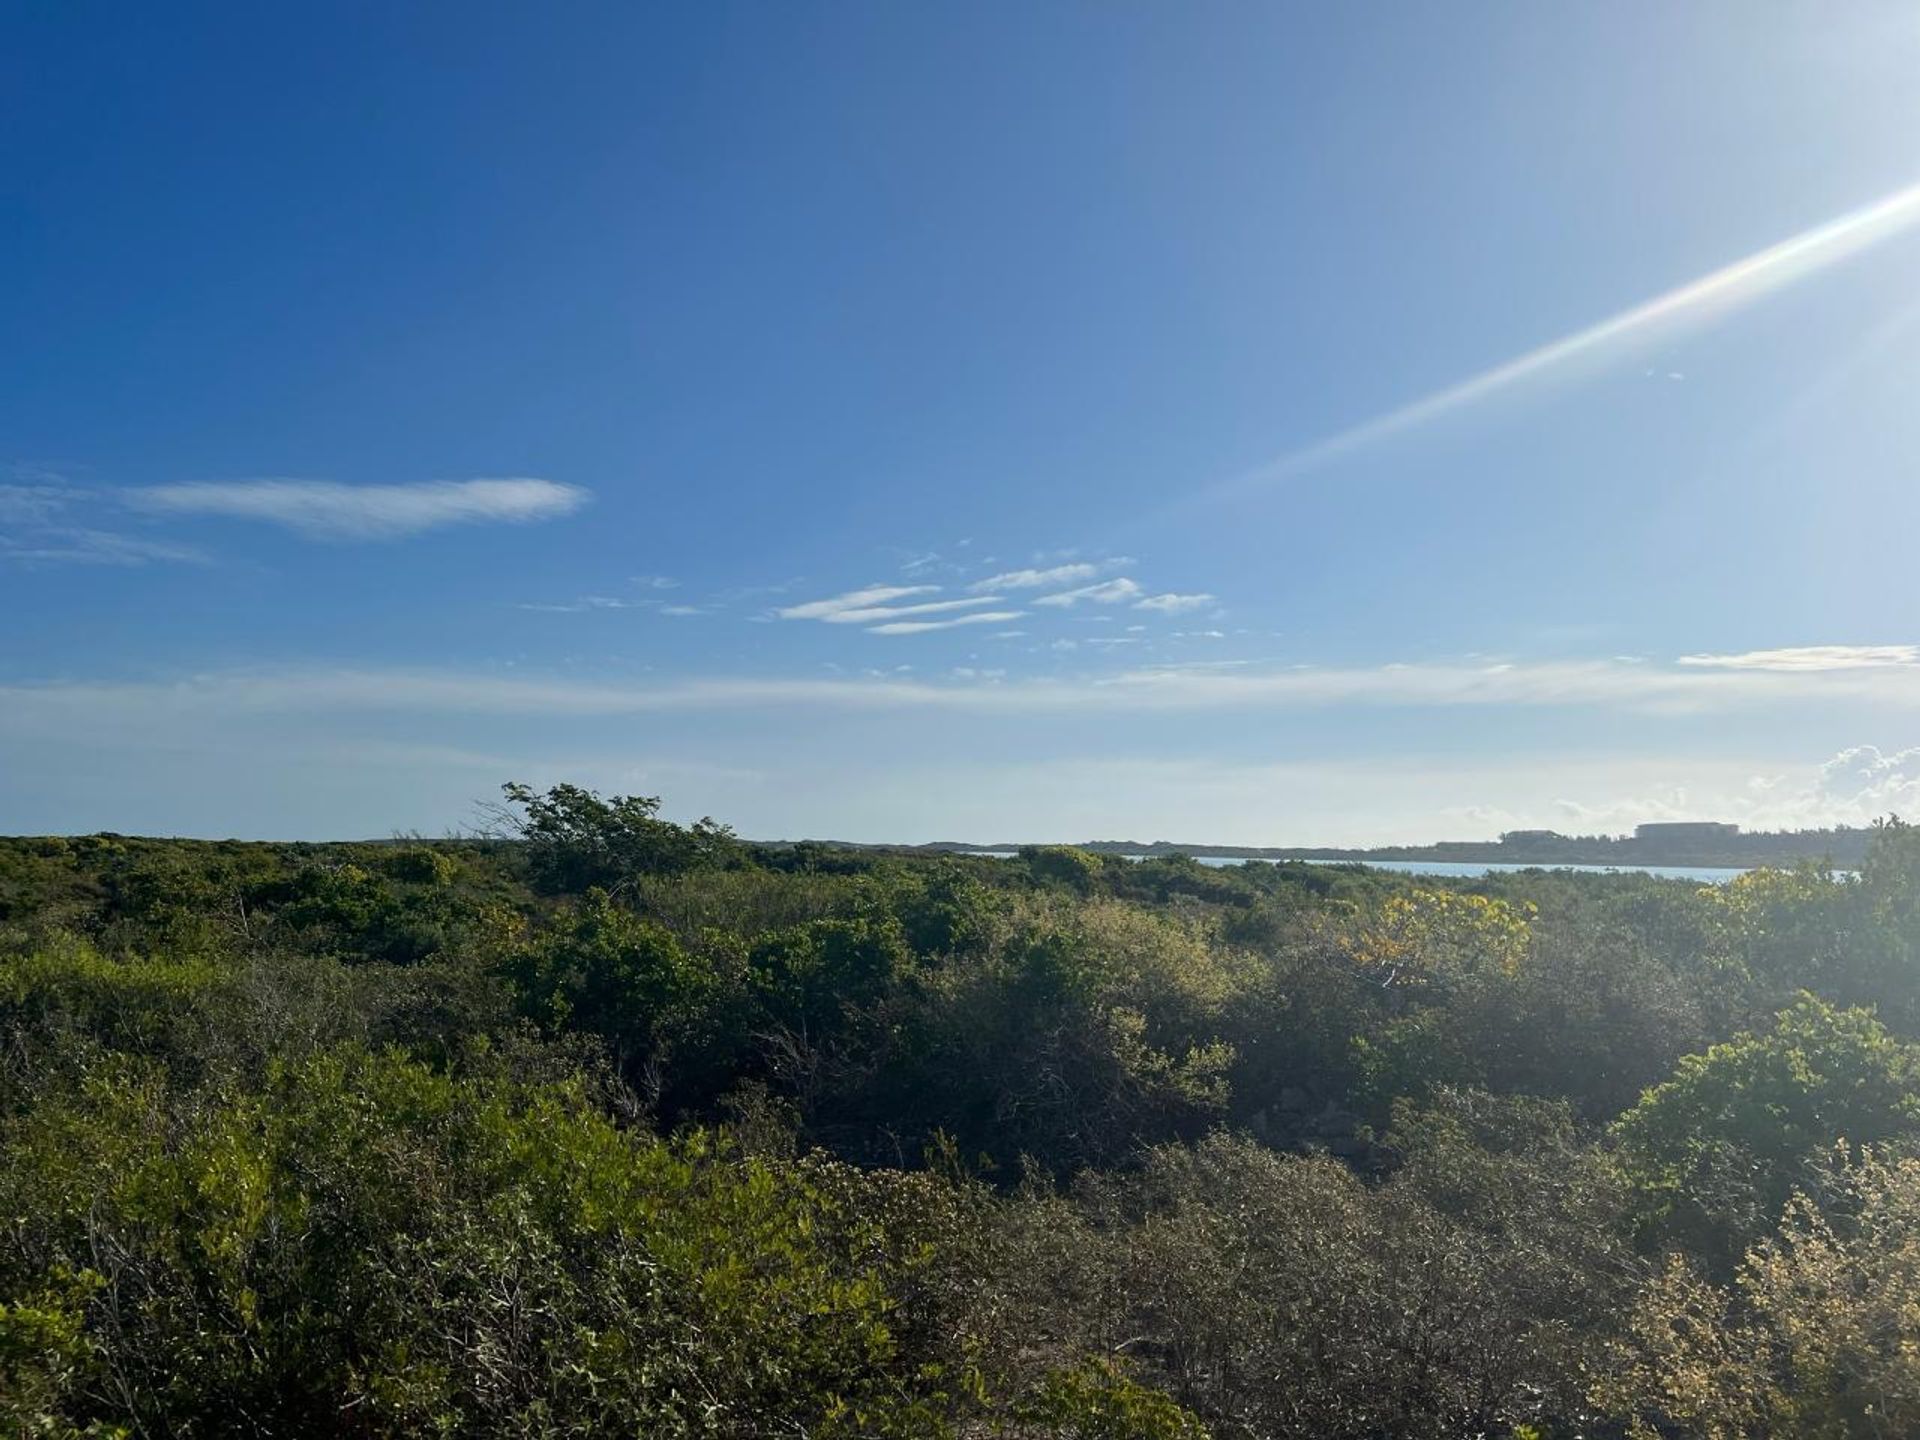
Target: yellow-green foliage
<point>132,1000</point>
<point>1715,1150</point>
<point>364,1236</point>
<point>1818,1336</point>
<point>45,1350</point>
<point>1413,938</point>
<point>1169,966</point>
<point>1781,927</point>
<point>1099,1401</point>
<point>393,1139</point>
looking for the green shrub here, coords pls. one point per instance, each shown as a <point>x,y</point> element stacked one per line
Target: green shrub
<point>1715,1151</point>
<point>365,1245</point>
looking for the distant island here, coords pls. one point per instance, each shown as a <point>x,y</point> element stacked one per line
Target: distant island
<point>1690,842</point>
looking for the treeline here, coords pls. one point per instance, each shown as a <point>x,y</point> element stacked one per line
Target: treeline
<point>1843,846</point>
<point>609,1125</point>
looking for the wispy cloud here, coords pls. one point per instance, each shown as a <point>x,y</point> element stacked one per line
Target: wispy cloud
<point>1172,604</point>
<point>917,627</point>
<point>873,608</point>
<point>326,510</point>
<point>871,613</point>
<point>871,596</point>
<point>1595,685</point>
<point>737,593</point>
<point>584,604</point>
<point>37,528</point>
<point>587,603</point>
<point>879,608</point>
<point>1810,657</point>
<point>31,504</point>
<point>656,582</point>
<point>1714,294</point>
<point>1036,579</point>
<point>1107,592</point>
<point>71,545</point>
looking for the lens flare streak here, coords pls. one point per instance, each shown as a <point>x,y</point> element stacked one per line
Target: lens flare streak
<point>1710,296</point>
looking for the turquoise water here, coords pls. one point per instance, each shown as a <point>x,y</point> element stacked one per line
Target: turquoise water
<point>1468,869</point>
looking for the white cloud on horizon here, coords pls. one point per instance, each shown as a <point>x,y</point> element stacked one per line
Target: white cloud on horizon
<point>328,783</point>
<point>1810,658</point>
<point>1865,781</point>
<point>1857,786</point>
<point>1602,685</point>
<point>325,509</point>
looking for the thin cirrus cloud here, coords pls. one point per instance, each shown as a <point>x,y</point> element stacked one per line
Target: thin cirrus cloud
<point>873,608</point>
<point>872,595</point>
<point>1035,579</point>
<point>1173,604</point>
<point>877,607</point>
<point>35,531</point>
<point>1719,292</point>
<point>588,603</point>
<point>31,504</point>
<point>581,606</point>
<point>1803,658</point>
<point>870,614</point>
<point>74,545</point>
<point>324,509</point>
<point>1107,592</point>
<point>919,627</point>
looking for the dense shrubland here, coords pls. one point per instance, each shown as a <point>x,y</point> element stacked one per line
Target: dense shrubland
<point>606,1125</point>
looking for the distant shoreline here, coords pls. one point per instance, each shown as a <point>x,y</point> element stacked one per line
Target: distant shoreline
<point>1841,847</point>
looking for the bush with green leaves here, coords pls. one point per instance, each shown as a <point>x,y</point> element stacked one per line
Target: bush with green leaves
<point>1715,1151</point>
<point>1817,1335</point>
<point>575,841</point>
<point>1043,1047</point>
<point>365,1246</point>
<point>383,1138</point>
<point>1281,1296</point>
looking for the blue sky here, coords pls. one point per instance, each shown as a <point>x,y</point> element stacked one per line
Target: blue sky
<point>1359,424</point>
